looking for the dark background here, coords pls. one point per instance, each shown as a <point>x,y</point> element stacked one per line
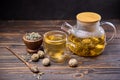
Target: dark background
<point>56,9</point>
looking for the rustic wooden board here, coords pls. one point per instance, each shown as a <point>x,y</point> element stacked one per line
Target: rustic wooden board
<point>103,67</point>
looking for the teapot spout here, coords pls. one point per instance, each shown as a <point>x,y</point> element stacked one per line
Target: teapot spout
<point>66,27</point>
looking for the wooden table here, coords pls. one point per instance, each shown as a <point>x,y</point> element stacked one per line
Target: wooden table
<point>103,67</point>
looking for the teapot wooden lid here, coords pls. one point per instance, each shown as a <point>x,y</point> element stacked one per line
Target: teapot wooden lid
<point>88,17</point>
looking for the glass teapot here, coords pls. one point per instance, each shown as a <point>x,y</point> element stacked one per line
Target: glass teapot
<point>87,37</point>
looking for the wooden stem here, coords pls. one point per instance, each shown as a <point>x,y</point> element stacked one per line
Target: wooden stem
<point>34,69</point>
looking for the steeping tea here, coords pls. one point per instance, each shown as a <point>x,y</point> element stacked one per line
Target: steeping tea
<point>86,46</point>
<point>55,45</point>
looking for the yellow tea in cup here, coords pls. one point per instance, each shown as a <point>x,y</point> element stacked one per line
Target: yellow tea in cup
<point>55,45</point>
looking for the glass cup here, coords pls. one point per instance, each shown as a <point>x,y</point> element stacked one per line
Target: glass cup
<point>54,43</point>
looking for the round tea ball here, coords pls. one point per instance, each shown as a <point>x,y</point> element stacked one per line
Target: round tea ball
<point>73,63</point>
<point>41,54</point>
<point>46,61</point>
<point>35,57</point>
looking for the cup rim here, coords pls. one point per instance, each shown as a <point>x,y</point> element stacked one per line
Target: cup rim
<point>45,34</point>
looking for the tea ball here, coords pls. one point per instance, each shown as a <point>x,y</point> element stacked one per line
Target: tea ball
<point>35,57</point>
<point>41,54</point>
<point>73,62</point>
<point>46,61</point>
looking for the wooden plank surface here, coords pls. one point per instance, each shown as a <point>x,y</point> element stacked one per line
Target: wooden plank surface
<point>103,67</point>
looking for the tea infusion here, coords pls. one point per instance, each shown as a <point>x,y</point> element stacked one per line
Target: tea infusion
<point>55,46</point>
<point>86,46</point>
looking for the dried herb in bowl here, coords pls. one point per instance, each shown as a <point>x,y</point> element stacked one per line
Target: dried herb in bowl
<point>33,36</point>
<point>32,41</point>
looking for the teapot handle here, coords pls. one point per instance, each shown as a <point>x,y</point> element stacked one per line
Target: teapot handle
<point>66,27</point>
<point>114,29</point>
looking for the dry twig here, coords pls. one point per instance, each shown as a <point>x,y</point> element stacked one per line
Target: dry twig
<point>34,69</point>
